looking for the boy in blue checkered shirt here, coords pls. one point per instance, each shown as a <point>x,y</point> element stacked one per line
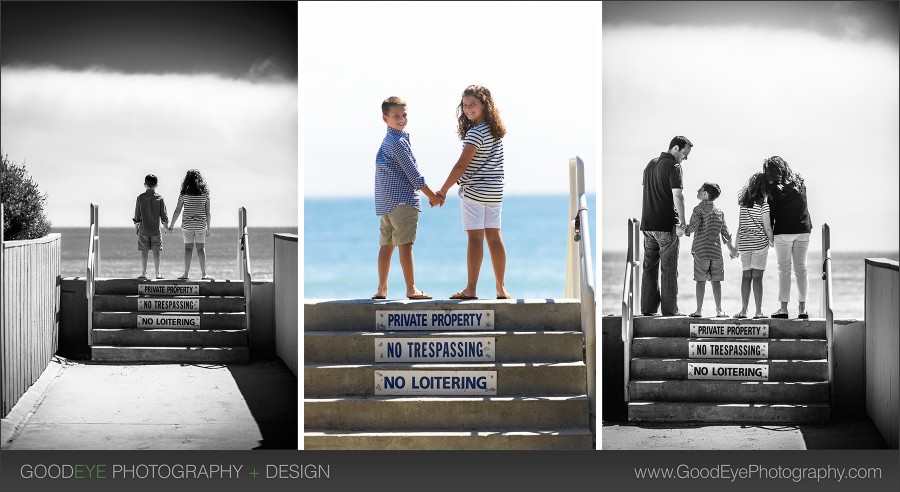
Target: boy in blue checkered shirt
<point>397,181</point>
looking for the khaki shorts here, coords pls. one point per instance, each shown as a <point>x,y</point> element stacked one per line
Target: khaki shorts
<point>754,260</point>
<point>149,243</point>
<point>191,237</point>
<point>399,226</point>
<point>713,270</point>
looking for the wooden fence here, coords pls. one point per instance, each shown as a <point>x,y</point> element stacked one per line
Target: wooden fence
<point>882,336</point>
<point>286,304</point>
<point>29,323</point>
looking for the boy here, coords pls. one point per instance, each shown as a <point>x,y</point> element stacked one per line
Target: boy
<point>397,179</point>
<point>149,212</point>
<point>709,224</point>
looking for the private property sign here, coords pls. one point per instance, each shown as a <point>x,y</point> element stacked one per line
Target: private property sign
<point>729,330</point>
<point>728,350</point>
<point>731,372</point>
<point>444,383</point>
<point>168,321</point>
<point>169,289</point>
<point>481,319</point>
<point>435,349</point>
<point>169,305</point>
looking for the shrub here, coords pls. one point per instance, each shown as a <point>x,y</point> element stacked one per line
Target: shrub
<point>23,204</point>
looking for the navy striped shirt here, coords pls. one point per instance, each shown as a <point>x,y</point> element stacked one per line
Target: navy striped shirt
<point>397,177</point>
<point>751,235</point>
<point>194,213</point>
<point>483,179</point>
<point>709,223</point>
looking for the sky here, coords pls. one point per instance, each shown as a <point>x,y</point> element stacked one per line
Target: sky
<point>538,59</point>
<point>95,95</point>
<point>813,82</point>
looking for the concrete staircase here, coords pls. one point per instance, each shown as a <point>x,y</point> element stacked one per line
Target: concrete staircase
<point>169,321</point>
<point>530,356</point>
<point>728,371</point>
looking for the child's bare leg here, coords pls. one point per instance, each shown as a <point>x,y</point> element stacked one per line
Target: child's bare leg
<point>746,279</point>
<point>201,257</point>
<point>758,290</point>
<point>406,264</point>
<point>717,296</point>
<point>700,291</point>
<point>144,262</point>
<point>498,259</point>
<point>188,253</point>
<point>156,260</point>
<point>474,257</point>
<point>384,267</point>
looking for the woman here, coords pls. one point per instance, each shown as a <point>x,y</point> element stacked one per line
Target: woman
<point>479,173</point>
<point>791,224</point>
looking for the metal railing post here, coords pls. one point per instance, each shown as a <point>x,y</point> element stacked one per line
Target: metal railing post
<point>825,307</point>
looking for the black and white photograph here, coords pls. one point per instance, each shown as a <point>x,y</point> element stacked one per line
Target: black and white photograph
<point>150,220</point>
<point>750,225</point>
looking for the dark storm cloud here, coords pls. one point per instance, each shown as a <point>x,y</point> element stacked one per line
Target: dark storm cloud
<point>233,39</point>
<point>876,20</point>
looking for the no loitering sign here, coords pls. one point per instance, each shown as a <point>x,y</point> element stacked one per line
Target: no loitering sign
<point>729,330</point>
<point>435,349</point>
<point>168,321</point>
<point>169,305</point>
<point>480,319</point>
<point>728,350</point>
<point>169,289</point>
<point>436,383</point>
<point>730,372</point>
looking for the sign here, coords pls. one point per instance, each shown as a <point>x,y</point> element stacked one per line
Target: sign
<point>434,349</point>
<point>729,330</point>
<point>168,321</point>
<point>731,372</point>
<point>481,319</point>
<point>448,383</point>
<point>728,350</point>
<point>169,289</point>
<point>168,305</point>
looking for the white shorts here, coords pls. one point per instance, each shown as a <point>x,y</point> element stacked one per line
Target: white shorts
<point>191,237</point>
<point>477,215</point>
<point>754,260</point>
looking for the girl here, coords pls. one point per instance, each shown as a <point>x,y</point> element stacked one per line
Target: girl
<point>791,225</point>
<point>754,237</point>
<point>194,198</point>
<point>479,173</point>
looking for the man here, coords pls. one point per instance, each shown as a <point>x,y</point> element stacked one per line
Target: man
<point>662,222</point>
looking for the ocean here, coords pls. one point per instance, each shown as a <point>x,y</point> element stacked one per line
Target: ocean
<point>847,268</point>
<point>341,249</point>
<point>119,256</point>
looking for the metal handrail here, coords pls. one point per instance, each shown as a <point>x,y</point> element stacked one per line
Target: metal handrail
<point>630,296</point>
<point>825,310</point>
<point>243,256</point>
<point>580,275</point>
<point>93,267</point>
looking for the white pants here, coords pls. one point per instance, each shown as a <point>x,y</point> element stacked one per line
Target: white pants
<point>792,248</point>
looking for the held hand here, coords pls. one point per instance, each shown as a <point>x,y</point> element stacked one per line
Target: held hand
<point>679,230</point>
<point>442,196</point>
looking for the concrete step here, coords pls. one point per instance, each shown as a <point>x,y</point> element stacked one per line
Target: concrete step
<point>129,286</point>
<point>212,321</point>
<point>197,355</point>
<point>140,337</point>
<point>779,370</point>
<point>525,439</point>
<point>728,391</point>
<point>204,304</point>
<point>670,347</point>
<point>731,413</point>
<point>679,326</point>
<point>358,347</point>
<point>391,413</point>
<point>532,378</point>
<point>512,314</point>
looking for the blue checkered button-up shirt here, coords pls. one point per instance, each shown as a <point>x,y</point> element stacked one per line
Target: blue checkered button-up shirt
<point>397,177</point>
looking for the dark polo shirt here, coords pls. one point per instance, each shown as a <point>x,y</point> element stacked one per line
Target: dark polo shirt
<point>789,212</point>
<point>660,176</point>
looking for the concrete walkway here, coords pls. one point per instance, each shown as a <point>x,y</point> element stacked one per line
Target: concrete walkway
<point>843,432</point>
<point>77,405</point>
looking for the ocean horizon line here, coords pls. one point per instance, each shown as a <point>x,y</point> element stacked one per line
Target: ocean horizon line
<point>451,195</point>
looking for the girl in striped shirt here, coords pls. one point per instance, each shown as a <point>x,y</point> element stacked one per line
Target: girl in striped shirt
<point>754,237</point>
<point>194,199</point>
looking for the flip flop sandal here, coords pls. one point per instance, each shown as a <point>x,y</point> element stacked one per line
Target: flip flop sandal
<point>695,315</point>
<point>159,277</point>
<point>502,297</point>
<point>460,296</point>
<point>739,316</point>
<point>379,297</point>
<point>142,277</point>
<point>183,277</point>
<point>420,296</point>
<point>779,315</point>
<point>803,316</point>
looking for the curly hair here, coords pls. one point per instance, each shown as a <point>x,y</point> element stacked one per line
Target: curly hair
<point>194,184</point>
<point>778,172</point>
<point>491,113</point>
<point>754,192</point>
